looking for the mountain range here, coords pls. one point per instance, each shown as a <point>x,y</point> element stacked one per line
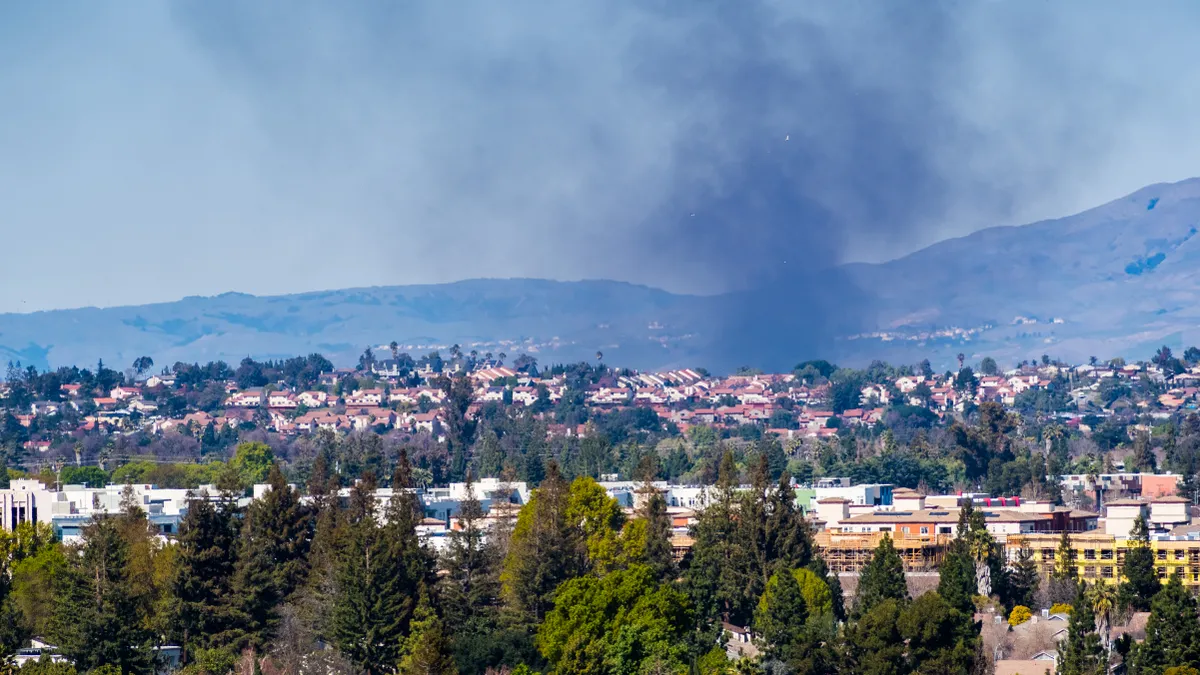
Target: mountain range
<point>1116,280</point>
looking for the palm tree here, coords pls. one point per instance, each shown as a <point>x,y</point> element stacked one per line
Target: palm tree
<point>981,551</point>
<point>1104,599</point>
<point>599,356</point>
<point>395,350</point>
<point>500,358</point>
<point>961,357</point>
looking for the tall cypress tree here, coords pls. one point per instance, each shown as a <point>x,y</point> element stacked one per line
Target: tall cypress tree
<point>1081,653</point>
<point>96,620</point>
<point>789,537</point>
<point>1024,579</point>
<point>881,579</point>
<point>780,617</point>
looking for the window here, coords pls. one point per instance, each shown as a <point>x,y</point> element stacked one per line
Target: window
<point>1179,554</point>
<point>906,530</point>
<point>1162,555</point>
<point>1162,573</point>
<point>924,529</point>
<point>1106,554</point>
<point>1089,572</point>
<point>1106,572</point>
<point>945,530</point>
<point>1089,554</point>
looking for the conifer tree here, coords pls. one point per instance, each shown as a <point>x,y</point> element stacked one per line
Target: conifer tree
<point>96,620</point>
<point>544,550</point>
<point>652,511</point>
<point>789,537</point>
<point>1064,578</point>
<point>780,617</point>
<point>1081,652</point>
<point>1024,579</point>
<point>272,562</point>
<point>427,650</point>
<point>1141,579</point>
<point>373,599</point>
<point>204,573</point>
<point>1172,632</point>
<point>471,585</point>
<point>881,579</point>
<point>712,578</point>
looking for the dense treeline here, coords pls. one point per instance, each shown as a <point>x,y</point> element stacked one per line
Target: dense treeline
<point>569,584</point>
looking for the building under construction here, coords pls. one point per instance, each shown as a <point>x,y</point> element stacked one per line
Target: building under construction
<point>850,551</point>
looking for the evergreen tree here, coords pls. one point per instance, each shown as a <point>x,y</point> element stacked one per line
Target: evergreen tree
<point>375,596</point>
<point>1064,579</point>
<point>659,553</point>
<point>206,559</point>
<point>788,536</point>
<point>873,643</point>
<point>837,598</point>
<point>96,620</point>
<point>881,579</point>
<point>544,551</point>
<point>1172,632</point>
<point>1141,579</point>
<point>272,562</point>
<point>956,577</point>
<point>940,638</point>
<point>712,577</point>
<point>427,650</point>
<point>780,616</point>
<point>1024,579</point>
<point>1081,652</point>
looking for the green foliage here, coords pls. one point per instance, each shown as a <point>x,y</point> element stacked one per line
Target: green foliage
<point>941,639</point>
<point>91,476</point>
<point>881,579</point>
<point>46,666</point>
<point>781,614</point>
<point>1141,579</point>
<point>616,624</point>
<point>546,549</point>
<point>1172,632</point>
<point>96,620</point>
<point>427,649</point>
<point>253,462</point>
<point>1081,652</point>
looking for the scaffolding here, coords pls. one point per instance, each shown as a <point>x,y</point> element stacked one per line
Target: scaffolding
<point>850,551</point>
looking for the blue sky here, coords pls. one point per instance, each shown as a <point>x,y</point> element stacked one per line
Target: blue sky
<point>152,150</point>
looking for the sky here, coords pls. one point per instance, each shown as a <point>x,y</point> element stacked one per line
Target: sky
<point>153,150</point>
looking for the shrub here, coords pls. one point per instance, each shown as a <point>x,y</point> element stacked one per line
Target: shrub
<point>1060,608</point>
<point>1019,615</point>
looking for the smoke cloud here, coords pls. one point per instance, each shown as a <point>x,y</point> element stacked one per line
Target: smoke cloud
<point>153,150</point>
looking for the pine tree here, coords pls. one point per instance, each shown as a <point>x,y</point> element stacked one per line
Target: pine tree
<point>374,598</point>
<point>780,616</point>
<point>544,551</point>
<point>837,597</point>
<point>96,620</point>
<point>1172,632</point>
<point>956,576</point>
<point>789,537</point>
<point>1024,579</point>
<point>427,650</point>
<point>204,573</point>
<point>652,511</point>
<point>1141,579</point>
<point>711,577</point>
<point>1081,652</point>
<point>881,579</point>
<point>1064,579</point>
<point>272,562</point>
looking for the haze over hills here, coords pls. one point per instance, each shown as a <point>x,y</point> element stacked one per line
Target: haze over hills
<point>1118,279</point>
